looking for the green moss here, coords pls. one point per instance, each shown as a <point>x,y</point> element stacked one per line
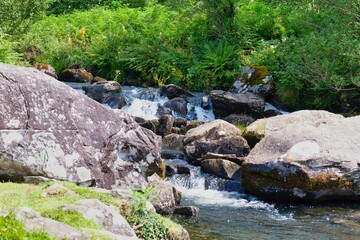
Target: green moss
<point>241,127</point>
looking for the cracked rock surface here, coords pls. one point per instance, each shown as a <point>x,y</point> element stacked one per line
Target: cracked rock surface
<point>48,129</point>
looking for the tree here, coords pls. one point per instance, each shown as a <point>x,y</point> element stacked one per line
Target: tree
<point>17,15</point>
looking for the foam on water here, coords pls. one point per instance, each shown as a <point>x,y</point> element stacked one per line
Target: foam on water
<point>194,187</point>
<point>142,108</point>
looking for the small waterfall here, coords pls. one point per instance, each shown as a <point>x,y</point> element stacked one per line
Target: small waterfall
<point>207,190</point>
<point>148,104</point>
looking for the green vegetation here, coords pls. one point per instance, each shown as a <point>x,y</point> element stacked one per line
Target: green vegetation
<point>11,229</point>
<point>311,47</point>
<point>13,195</point>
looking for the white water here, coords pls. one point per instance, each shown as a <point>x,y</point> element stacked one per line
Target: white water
<point>205,190</point>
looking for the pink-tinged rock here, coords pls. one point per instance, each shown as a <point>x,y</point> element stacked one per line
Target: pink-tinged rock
<point>48,129</point>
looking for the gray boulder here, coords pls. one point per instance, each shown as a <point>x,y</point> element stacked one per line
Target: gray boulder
<point>226,103</point>
<point>217,137</point>
<point>104,215</point>
<point>165,201</point>
<point>48,129</point>
<point>33,222</point>
<point>305,156</point>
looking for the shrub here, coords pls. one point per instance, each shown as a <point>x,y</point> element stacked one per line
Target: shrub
<point>7,54</point>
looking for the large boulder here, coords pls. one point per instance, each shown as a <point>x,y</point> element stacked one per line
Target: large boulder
<point>104,215</point>
<point>306,156</point>
<point>226,103</point>
<point>164,201</point>
<point>48,129</point>
<point>217,136</point>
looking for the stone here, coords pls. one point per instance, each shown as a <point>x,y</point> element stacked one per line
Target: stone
<point>217,136</point>
<point>36,180</point>
<point>170,170</point>
<point>221,168</point>
<point>148,124</point>
<point>98,79</point>
<point>57,190</point>
<point>172,91</point>
<point>102,214</point>
<point>305,156</point>
<point>164,202</point>
<point>49,129</point>
<point>181,169</point>
<point>229,157</point>
<point>255,79</point>
<point>239,119</point>
<point>177,195</point>
<point>47,69</point>
<point>33,222</point>
<point>177,105</point>
<point>257,130</point>
<point>172,154</point>
<point>107,234</point>
<point>166,123</point>
<point>106,92</point>
<point>271,111</point>
<point>206,102</point>
<point>75,75</point>
<point>180,122</point>
<point>226,103</point>
<point>174,142</point>
<point>189,211</point>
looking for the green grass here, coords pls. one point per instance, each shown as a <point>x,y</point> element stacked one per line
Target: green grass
<point>14,195</point>
<point>241,127</point>
<point>11,229</point>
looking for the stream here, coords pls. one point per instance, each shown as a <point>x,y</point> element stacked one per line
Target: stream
<point>226,212</point>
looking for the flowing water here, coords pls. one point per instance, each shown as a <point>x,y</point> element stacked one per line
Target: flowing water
<point>226,212</point>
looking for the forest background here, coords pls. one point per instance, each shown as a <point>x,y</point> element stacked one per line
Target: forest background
<point>310,47</point>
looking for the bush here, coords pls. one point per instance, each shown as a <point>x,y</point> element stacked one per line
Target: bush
<point>7,54</point>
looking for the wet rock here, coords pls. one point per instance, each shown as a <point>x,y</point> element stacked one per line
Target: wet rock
<point>206,102</point>
<point>180,122</point>
<point>217,137</point>
<point>172,91</point>
<point>226,103</point>
<point>148,124</point>
<point>170,170</point>
<point>102,214</point>
<point>255,79</point>
<point>33,222</point>
<point>173,141</point>
<point>103,91</point>
<point>189,211</point>
<point>98,79</point>
<point>172,154</point>
<point>239,119</point>
<point>75,75</point>
<point>221,168</point>
<point>271,111</point>
<point>57,190</point>
<point>305,156</point>
<point>164,202</point>
<point>51,130</point>
<point>166,123</point>
<point>230,157</point>
<point>47,69</point>
<point>177,105</point>
<point>177,195</point>
<point>182,169</point>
